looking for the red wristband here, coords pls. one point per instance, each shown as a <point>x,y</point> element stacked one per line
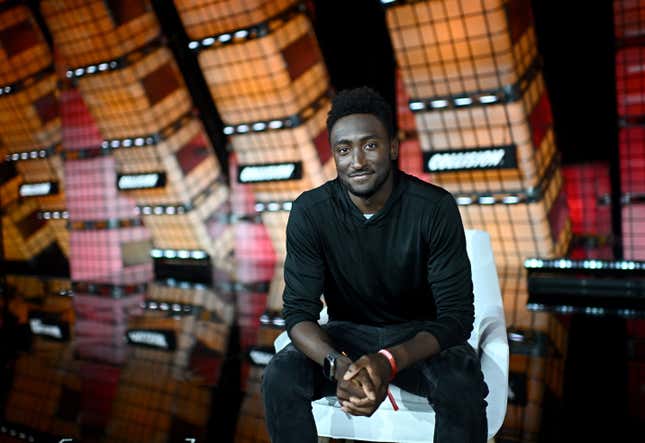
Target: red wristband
<point>390,359</point>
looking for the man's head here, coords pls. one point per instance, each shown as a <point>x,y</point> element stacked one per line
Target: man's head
<point>361,135</point>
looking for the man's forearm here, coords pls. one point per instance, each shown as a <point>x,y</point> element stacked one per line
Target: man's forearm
<point>420,347</point>
<point>311,340</point>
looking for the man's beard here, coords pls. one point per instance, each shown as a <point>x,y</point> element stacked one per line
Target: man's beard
<point>367,193</point>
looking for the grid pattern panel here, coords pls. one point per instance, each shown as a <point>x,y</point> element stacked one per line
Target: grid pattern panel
<point>139,99</point>
<point>191,229</point>
<point>632,158</point>
<point>274,76</point>
<point>189,144</point>
<point>87,32</point>
<point>515,123</point>
<point>519,231</point>
<point>42,397</point>
<point>98,256</point>
<point>23,50</point>
<point>629,20</point>
<point>211,17</point>
<point>92,192</point>
<point>29,117</point>
<point>448,47</point>
<point>634,231</point>
<point>287,145</point>
<point>630,81</point>
<point>24,235</point>
<point>79,128</point>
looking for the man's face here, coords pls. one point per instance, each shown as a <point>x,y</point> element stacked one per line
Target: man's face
<point>363,153</point>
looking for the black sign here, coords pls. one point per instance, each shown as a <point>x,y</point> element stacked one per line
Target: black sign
<point>47,327</point>
<point>38,189</point>
<point>494,157</point>
<point>146,180</point>
<point>269,172</point>
<point>153,338</point>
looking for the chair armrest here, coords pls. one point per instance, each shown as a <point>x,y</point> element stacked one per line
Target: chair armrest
<point>494,358</point>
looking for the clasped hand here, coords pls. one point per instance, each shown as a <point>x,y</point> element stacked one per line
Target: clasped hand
<point>362,385</point>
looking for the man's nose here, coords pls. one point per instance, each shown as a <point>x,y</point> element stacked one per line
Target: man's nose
<point>358,158</point>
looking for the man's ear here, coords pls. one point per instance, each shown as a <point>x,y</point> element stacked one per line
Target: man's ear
<point>394,149</point>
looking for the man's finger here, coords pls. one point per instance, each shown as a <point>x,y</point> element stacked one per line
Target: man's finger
<point>356,410</point>
<point>366,384</point>
<point>355,368</point>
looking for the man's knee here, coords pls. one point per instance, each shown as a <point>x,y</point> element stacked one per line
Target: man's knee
<point>286,372</point>
<point>460,379</point>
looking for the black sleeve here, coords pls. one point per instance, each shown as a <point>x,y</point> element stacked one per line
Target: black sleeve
<point>303,270</point>
<point>449,276</point>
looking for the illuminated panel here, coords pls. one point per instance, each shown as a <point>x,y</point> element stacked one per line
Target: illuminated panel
<point>523,229</point>
<point>216,17</point>
<point>630,78</point>
<point>269,172</point>
<point>449,47</point>
<point>585,186</point>
<point>634,231</point>
<point>91,191</point>
<point>118,256</point>
<point>186,158</point>
<point>522,125</point>
<point>140,98</point>
<point>273,76</point>
<point>23,50</point>
<point>254,254</point>
<point>42,398</point>
<point>629,20</point>
<point>632,158</point>
<point>144,180</point>
<point>285,145</point>
<point>155,403</point>
<point>24,234</point>
<point>187,228</point>
<point>93,32</point>
<point>29,115</point>
<point>79,128</point>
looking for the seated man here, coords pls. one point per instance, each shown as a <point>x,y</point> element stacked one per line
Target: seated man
<point>388,252</point>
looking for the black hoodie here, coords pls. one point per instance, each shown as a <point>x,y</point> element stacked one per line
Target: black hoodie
<point>407,262</point>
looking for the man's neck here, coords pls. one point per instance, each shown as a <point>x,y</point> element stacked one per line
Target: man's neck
<point>375,202</point>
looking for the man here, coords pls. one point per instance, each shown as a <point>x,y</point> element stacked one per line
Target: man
<point>388,252</point>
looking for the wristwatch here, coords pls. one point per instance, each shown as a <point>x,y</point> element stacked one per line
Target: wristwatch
<point>329,365</point>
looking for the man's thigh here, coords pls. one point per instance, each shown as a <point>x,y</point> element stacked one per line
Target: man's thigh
<point>455,371</point>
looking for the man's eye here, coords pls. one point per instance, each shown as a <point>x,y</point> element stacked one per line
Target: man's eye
<point>371,145</point>
<point>342,150</point>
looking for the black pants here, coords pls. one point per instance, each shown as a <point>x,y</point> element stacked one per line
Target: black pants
<point>451,381</point>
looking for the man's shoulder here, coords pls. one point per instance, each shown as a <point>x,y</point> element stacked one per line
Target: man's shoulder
<point>421,190</point>
<point>314,197</point>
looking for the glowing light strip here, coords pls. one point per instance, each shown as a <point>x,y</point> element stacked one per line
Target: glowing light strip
<point>273,206</point>
<point>289,122</point>
<point>179,254</point>
<point>60,214</point>
<point>589,310</point>
<point>179,208</point>
<point>34,154</point>
<point>241,35</point>
<point>26,82</point>
<point>505,94</point>
<point>589,264</point>
<point>107,289</point>
<point>111,65</point>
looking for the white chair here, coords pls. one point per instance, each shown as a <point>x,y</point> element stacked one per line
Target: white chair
<point>415,419</point>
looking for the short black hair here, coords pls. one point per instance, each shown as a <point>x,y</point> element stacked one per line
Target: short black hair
<point>361,100</point>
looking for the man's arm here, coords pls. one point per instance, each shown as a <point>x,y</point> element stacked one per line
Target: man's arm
<point>304,278</point>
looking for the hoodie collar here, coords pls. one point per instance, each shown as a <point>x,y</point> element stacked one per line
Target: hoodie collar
<point>398,186</point>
